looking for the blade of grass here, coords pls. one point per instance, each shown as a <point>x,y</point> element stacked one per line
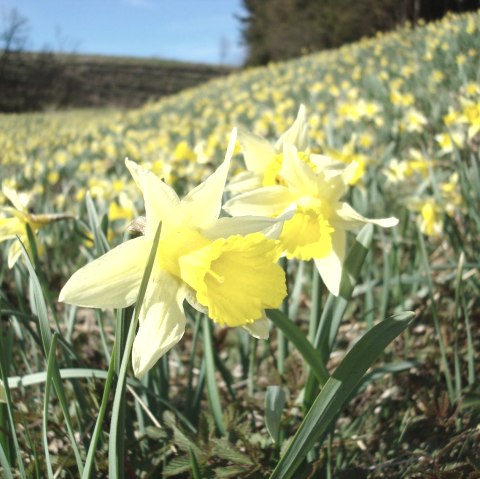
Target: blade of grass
<point>336,392</point>
<point>436,321</point>
<point>191,364</point>
<point>5,465</point>
<point>101,243</point>
<point>115,462</point>
<point>315,309</point>
<point>193,462</point>
<point>90,460</point>
<point>48,387</point>
<point>295,297</point>
<point>298,339</point>
<point>456,321</point>
<point>274,404</point>
<point>10,417</point>
<point>252,365</point>
<point>335,307</point>
<point>212,388</point>
<point>281,339</point>
<point>121,329</point>
<point>46,335</point>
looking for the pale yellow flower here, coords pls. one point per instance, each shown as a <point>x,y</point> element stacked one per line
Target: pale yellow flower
<point>16,223</point>
<point>348,155</point>
<point>264,160</point>
<point>183,151</point>
<point>121,210</point>
<point>448,141</point>
<point>226,267</point>
<point>318,227</point>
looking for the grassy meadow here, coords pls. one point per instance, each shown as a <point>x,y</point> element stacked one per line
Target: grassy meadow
<point>370,396</point>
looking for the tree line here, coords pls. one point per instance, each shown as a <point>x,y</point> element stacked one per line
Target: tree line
<point>275,30</point>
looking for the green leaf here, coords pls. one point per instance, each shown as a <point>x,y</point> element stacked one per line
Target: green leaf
<point>90,460</point>
<point>212,388</point>
<point>48,387</point>
<point>194,465</point>
<point>5,465</point>
<point>274,404</point>
<point>303,345</point>
<point>46,335</point>
<point>115,462</point>
<point>10,418</point>
<point>101,243</point>
<point>336,392</point>
<point>335,307</point>
<point>390,368</point>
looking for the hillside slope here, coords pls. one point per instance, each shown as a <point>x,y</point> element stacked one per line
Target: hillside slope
<point>31,82</point>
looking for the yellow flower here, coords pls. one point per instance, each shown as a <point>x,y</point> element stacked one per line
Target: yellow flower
<point>348,156</point>
<point>413,120</point>
<point>318,227</point>
<point>183,152</point>
<point>53,177</point>
<point>429,222</point>
<point>396,171</point>
<point>448,141</point>
<point>15,225</point>
<point>430,215</point>
<point>263,160</point>
<point>124,209</point>
<point>226,267</point>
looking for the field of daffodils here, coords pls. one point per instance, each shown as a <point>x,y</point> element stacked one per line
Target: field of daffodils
<point>275,274</point>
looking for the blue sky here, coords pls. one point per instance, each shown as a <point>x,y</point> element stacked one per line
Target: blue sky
<point>190,30</point>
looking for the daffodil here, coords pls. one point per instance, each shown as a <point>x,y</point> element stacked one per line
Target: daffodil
<point>264,160</point>
<point>317,230</point>
<point>15,224</point>
<point>224,266</point>
<point>430,215</point>
<point>348,155</point>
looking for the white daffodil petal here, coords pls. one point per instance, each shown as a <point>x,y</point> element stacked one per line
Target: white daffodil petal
<point>259,329</point>
<point>10,227</point>
<point>330,267</point>
<point>191,298</point>
<point>245,181</point>
<point>348,218</point>
<point>15,251</point>
<point>111,281</point>
<point>20,203</point>
<point>201,207</point>
<point>297,134</point>
<point>162,322</point>
<point>324,162</point>
<point>299,176</point>
<point>266,201</point>
<point>258,153</point>
<point>160,199</point>
<point>244,225</point>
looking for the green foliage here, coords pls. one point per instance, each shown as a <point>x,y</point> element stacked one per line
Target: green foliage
<point>276,30</point>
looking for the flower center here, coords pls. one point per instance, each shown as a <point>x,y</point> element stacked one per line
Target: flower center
<point>236,278</point>
<point>178,242</point>
<point>308,234</point>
